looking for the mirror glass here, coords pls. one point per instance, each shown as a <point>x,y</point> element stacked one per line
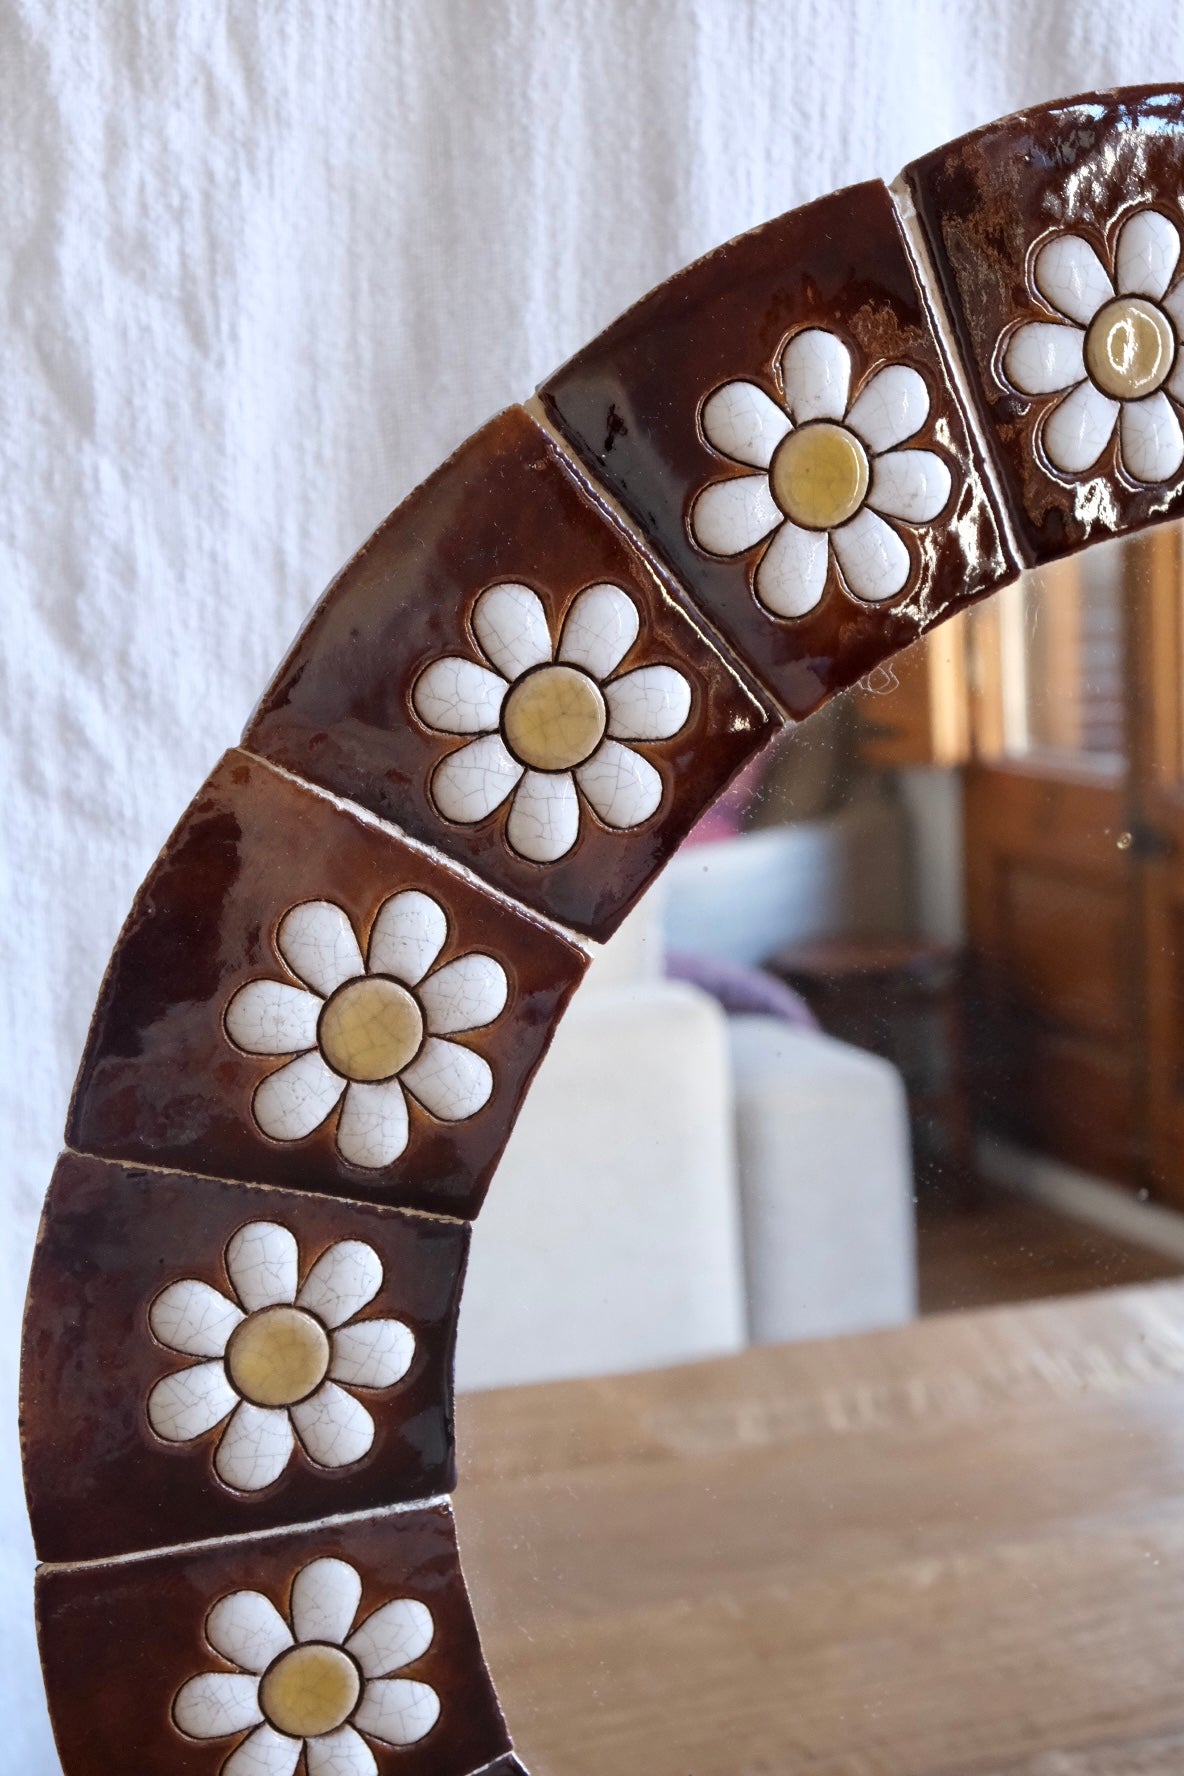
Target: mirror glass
<point>840,1410</point>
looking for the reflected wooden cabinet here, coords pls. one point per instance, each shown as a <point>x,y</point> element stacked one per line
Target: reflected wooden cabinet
<point>1060,703</point>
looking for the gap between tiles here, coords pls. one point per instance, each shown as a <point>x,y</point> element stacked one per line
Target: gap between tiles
<point>917,245</point>
<point>661,570</point>
<point>437,1501</point>
<point>588,945</point>
<point>132,1166</point>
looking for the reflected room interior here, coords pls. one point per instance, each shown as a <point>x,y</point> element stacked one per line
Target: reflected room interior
<point>870,1118</point>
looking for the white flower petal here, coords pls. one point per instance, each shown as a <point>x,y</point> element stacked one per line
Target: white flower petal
<point>344,1278</point>
<point>294,1100</point>
<point>397,1711</point>
<point>1071,278</point>
<point>544,819</point>
<point>873,557</point>
<point>317,942</point>
<point>1173,302</point>
<point>891,407</point>
<point>246,1628</point>
<point>372,1130</point>
<point>255,1449</point>
<point>264,1753</point>
<point>1078,429</point>
<point>1148,249</point>
<point>909,484</point>
<point>394,1636</point>
<point>791,574</point>
<point>511,628</point>
<point>269,1017</point>
<point>190,1402</point>
<point>816,373</point>
<point>194,1319</point>
<point>450,1082</point>
<point>325,1598</point>
<point>1150,440</point>
<point>599,629</point>
<point>623,788</point>
<point>343,1753</point>
<point>741,421</point>
<point>1045,356</point>
<point>372,1353</point>
<point>217,1703</point>
<point>1174,385</point>
<point>334,1428</point>
<point>465,994</point>
<point>457,696</point>
<point>470,783</point>
<point>407,936</point>
<point>263,1263</point>
<point>650,703</point>
<point>729,517</point>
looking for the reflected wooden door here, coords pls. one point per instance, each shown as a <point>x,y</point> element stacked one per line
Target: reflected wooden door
<point>1053,915</point>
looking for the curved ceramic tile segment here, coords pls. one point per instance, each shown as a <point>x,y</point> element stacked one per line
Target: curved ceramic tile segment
<point>334,987</point>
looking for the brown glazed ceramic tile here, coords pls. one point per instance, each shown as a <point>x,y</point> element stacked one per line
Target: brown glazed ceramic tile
<point>817,548</point>
<point>204,1358</point>
<point>499,672</point>
<point>1057,236</point>
<point>360,1629</point>
<point>299,997</point>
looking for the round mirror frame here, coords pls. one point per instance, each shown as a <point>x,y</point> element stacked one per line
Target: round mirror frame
<point>331,994</point>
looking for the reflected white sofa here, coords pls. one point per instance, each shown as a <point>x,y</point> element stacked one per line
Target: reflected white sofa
<point>680,1183</point>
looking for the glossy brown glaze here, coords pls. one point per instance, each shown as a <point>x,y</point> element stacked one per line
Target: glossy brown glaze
<point>118,1642</point>
<point>506,507</point>
<point>160,1080</point>
<point>988,201</point>
<point>100,1481</point>
<point>631,402</point>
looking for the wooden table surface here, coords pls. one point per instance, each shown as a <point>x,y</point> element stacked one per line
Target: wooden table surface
<point>955,1547</point>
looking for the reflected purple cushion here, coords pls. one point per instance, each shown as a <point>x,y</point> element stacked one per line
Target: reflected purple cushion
<point>739,989</point>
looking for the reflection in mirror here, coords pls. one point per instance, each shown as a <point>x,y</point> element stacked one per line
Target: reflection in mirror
<point>834,1427</point>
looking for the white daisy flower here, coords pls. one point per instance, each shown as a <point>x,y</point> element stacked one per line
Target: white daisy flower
<point>366,1033</point>
<point>1115,349</point>
<point>280,1357</point>
<point>830,476</point>
<point>306,1687</point>
<point>550,722</point>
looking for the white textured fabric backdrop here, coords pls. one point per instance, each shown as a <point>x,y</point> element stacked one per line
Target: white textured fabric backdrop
<point>264,265</point>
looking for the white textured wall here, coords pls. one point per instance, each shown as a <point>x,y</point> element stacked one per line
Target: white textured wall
<point>264,265</point>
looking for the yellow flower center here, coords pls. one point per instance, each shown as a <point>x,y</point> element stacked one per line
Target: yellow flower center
<point>554,718</point>
<point>311,1690</point>
<point>277,1356</point>
<point>819,475</point>
<point>371,1028</point>
<point>1130,348</point>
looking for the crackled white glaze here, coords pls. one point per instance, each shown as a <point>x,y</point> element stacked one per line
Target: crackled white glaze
<point>310,1688</point>
<point>563,721</point>
<point>730,517</point>
<point>791,575</point>
<point>741,421</point>
<point>367,1026</point>
<point>599,629</point>
<point>834,474</point>
<point>325,1598</point>
<point>1113,354</point>
<point>281,1357</point>
<point>816,376</point>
